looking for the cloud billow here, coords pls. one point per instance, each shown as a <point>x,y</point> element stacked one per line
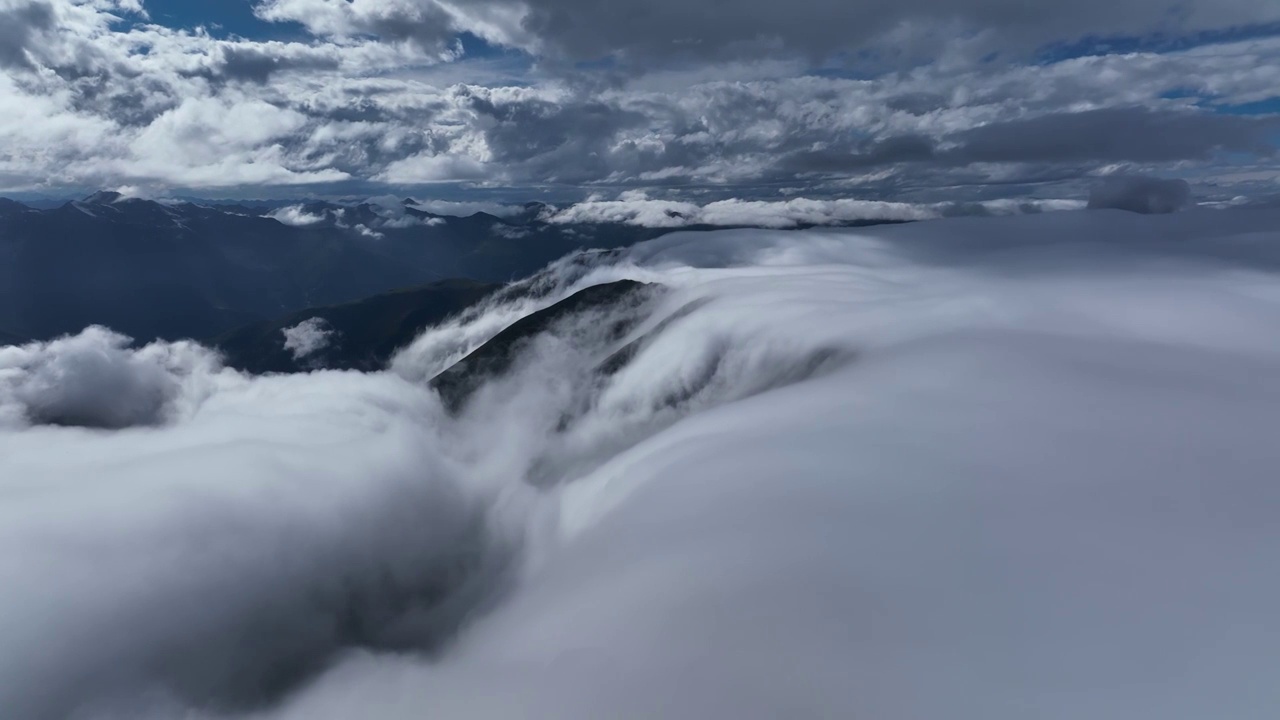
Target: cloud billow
<point>307,338</point>
<point>96,380</point>
<point>615,507</point>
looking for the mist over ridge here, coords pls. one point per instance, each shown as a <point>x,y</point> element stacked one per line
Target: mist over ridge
<point>974,467</point>
<point>639,359</point>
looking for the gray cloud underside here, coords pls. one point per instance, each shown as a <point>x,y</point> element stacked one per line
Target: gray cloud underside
<point>88,101</point>
<point>662,30</point>
<point>1114,134</point>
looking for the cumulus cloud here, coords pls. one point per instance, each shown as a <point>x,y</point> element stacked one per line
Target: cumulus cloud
<point>20,23</point>
<point>431,24</point>
<point>89,98</point>
<point>307,337</point>
<point>393,213</point>
<point>258,63</point>
<point>435,168</point>
<point>864,430</point>
<point>96,380</point>
<point>1136,134</point>
<point>296,216</point>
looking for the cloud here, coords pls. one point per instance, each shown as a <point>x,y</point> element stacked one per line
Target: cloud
<point>585,30</point>
<point>429,169</point>
<point>20,24</point>
<point>307,337</point>
<point>200,595</point>
<point>1116,134</point>
<point>782,429</point>
<point>258,64</point>
<point>428,24</point>
<point>667,31</point>
<point>889,151</point>
<point>88,99</point>
<point>296,216</point>
<point>639,209</point>
<point>1141,194</point>
<point>96,380</point>
<point>1111,135</point>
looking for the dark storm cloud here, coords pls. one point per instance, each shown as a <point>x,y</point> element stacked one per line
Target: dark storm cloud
<point>917,103</point>
<point>525,129</point>
<point>659,31</point>
<point>556,140</point>
<point>1145,195</point>
<point>890,151</point>
<point>252,64</point>
<point>747,138</point>
<point>1049,143</point>
<point>1113,134</point>
<point>19,27</point>
<point>424,23</point>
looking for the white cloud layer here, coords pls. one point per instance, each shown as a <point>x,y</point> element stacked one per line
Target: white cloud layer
<point>972,468</point>
<point>637,208</point>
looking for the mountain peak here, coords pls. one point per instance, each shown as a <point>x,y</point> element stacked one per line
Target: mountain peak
<point>104,197</point>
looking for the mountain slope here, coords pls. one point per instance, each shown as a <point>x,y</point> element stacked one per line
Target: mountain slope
<point>499,354</point>
<point>175,270</point>
<point>361,335</point>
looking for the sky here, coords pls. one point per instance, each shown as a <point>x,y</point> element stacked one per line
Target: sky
<point>689,100</point>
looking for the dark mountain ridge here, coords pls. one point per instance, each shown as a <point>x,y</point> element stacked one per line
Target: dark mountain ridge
<point>363,335</point>
<point>241,274</point>
<point>495,357</point>
<point>184,270</point>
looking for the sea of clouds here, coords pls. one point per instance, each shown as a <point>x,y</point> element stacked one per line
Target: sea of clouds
<point>970,468</point>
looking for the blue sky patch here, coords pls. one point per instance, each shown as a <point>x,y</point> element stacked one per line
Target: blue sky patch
<point>1270,106</point>
<point>1092,45</point>
<point>222,18</point>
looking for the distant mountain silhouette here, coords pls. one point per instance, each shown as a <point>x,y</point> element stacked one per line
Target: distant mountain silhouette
<point>364,334</point>
<point>186,270</point>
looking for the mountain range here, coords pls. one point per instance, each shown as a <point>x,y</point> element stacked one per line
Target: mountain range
<point>361,335</point>
<point>365,279</point>
<point>187,270</point>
